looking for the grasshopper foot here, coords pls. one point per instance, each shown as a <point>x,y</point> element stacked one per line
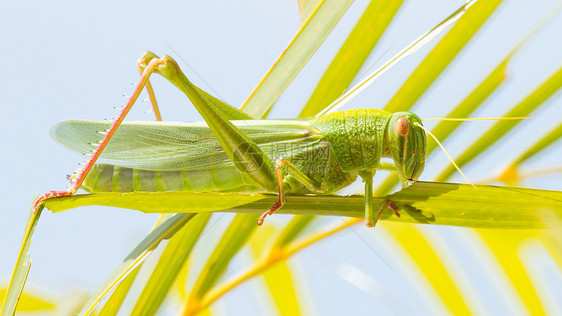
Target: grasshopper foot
<point>271,210</point>
<point>394,208</point>
<point>279,204</point>
<point>371,221</point>
<point>48,195</point>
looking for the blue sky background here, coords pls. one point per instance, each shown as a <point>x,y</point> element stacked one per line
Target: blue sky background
<point>68,59</point>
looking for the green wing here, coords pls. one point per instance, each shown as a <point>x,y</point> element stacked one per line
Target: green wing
<point>168,146</point>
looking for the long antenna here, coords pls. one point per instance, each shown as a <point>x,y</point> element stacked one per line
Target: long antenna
<point>478,119</point>
<point>446,153</point>
<point>412,48</point>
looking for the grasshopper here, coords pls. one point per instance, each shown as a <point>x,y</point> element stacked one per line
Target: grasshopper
<point>231,152</point>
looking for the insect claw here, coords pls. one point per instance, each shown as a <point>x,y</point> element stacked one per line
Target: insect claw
<point>126,96</point>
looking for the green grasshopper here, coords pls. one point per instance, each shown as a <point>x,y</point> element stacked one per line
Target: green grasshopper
<point>234,153</point>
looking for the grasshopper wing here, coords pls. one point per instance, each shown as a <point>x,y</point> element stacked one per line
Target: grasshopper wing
<point>168,146</point>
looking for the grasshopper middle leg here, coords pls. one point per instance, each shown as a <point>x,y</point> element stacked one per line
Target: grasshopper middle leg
<point>284,166</point>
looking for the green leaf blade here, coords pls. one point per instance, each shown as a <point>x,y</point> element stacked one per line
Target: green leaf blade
<point>295,56</point>
<point>279,277</point>
<point>169,265</point>
<point>441,55</point>
<point>233,239</point>
<point>22,266</point>
<point>523,108</point>
<point>472,102</point>
<point>164,231</point>
<point>352,55</point>
<point>113,304</point>
<point>423,202</point>
<point>554,135</point>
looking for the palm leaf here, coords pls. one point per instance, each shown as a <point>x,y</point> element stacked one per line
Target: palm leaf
<point>425,202</point>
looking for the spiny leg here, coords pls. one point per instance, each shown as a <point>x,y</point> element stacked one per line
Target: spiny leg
<point>148,63</point>
<point>244,153</point>
<point>283,165</point>
<point>80,175</point>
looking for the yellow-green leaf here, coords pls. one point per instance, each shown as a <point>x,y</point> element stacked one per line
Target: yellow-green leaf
<point>231,242</point>
<point>511,173</point>
<point>292,230</point>
<point>430,266</point>
<point>504,244</point>
<point>29,302</point>
<point>113,304</point>
<point>23,264</point>
<point>352,54</point>
<point>306,8</point>
<point>423,202</point>
<point>279,278</point>
<point>169,265</point>
<point>164,231</point>
<point>296,55</point>
<point>441,55</point>
<point>554,135</point>
<point>524,108</point>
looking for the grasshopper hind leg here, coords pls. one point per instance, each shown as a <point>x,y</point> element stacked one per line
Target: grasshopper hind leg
<point>79,175</point>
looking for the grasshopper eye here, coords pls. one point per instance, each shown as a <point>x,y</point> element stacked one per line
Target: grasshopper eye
<point>402,126</point>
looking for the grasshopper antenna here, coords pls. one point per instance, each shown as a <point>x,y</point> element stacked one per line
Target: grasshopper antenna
<point>412,48</point>
<point>450,119</point>
<point>446,153</point>
<point>462,120</point>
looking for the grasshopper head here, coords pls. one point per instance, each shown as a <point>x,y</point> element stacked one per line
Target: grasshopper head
<point>407,144</point>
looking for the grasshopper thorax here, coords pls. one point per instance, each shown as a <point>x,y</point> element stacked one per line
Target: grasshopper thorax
<point>356,137</point>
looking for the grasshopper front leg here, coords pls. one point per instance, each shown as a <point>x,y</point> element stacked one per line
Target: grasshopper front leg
<point>372,216</point>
